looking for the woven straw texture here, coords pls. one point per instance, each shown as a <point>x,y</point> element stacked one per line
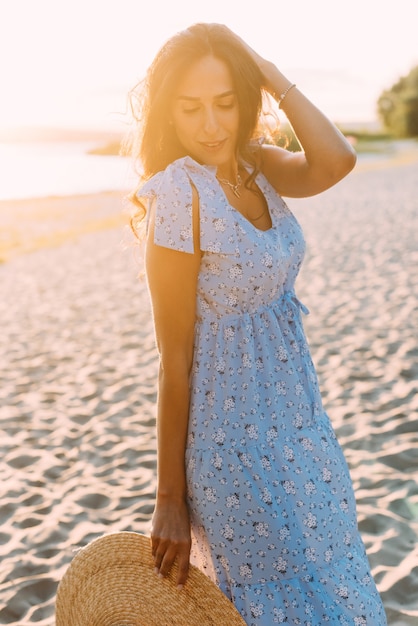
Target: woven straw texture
<point>111,582</point>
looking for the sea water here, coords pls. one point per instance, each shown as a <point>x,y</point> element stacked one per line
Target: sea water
<point>29,170</point>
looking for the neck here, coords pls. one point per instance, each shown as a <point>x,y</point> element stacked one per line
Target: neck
<point>229,171</point>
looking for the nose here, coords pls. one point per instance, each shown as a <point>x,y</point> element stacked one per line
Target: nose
<point>210,123</point>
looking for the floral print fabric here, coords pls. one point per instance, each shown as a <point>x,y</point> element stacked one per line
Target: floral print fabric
<point>272,507</point>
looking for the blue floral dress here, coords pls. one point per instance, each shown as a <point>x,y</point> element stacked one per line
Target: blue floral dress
<point>271,501</point>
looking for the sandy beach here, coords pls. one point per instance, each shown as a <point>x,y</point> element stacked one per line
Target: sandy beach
<point>78,376</point>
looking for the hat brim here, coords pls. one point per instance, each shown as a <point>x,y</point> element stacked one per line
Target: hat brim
<point>111,582</point>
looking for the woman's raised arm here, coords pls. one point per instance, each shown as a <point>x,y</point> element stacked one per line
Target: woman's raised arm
<point>327,156</point>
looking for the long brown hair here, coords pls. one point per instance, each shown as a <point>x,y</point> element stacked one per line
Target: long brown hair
<point>154,143</point>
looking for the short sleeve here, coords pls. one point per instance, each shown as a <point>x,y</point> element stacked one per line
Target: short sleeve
<point>172,192</point>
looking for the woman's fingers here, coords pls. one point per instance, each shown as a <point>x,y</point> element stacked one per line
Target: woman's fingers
<point>166,553</point>
<point>171,538</point>
<point>183,569</point>
<point>164,558</point>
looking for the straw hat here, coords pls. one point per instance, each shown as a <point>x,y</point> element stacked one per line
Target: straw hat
<point>111,582</point>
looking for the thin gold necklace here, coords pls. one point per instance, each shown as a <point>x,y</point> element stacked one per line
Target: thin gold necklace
<point>234,188</point>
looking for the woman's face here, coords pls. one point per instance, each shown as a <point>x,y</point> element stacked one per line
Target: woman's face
<point>205,113</point>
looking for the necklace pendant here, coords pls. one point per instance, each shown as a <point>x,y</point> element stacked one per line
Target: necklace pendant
<point>233,188</point>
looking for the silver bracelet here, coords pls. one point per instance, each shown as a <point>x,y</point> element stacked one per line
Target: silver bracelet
<point>283,95</point>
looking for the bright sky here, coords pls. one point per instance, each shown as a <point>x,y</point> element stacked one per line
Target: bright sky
<point>72,62</point>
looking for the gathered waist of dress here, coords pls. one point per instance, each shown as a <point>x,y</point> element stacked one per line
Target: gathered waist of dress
<point>286,302</point>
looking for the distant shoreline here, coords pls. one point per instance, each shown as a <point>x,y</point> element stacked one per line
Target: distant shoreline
<point>364,142</point>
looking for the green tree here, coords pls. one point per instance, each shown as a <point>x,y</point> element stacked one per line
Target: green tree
<point>398,106</point>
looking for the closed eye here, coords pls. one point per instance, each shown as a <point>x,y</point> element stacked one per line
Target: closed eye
<point>193,110</point>
<point>229,105</point>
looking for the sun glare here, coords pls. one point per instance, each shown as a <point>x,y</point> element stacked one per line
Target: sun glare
<point>72,64</point>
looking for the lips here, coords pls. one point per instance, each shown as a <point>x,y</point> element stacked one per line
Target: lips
<point>212,145</point>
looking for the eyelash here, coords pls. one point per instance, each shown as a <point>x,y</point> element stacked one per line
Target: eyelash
<point>220,106</point>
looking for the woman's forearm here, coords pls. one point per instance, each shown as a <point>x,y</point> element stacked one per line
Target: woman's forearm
<point>172,425</point>
<point>320,139</point>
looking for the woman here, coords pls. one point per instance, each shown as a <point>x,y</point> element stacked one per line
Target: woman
<point>251,480</point>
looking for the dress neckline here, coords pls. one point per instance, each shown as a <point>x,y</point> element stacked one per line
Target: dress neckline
<point>245,219</point>
<point>260,178</point>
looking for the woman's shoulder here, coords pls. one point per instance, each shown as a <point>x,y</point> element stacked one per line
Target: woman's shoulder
<point>176,178</point>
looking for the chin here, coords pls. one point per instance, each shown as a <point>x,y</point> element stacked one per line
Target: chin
<point>213,157</point>
<point>214,160</point>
